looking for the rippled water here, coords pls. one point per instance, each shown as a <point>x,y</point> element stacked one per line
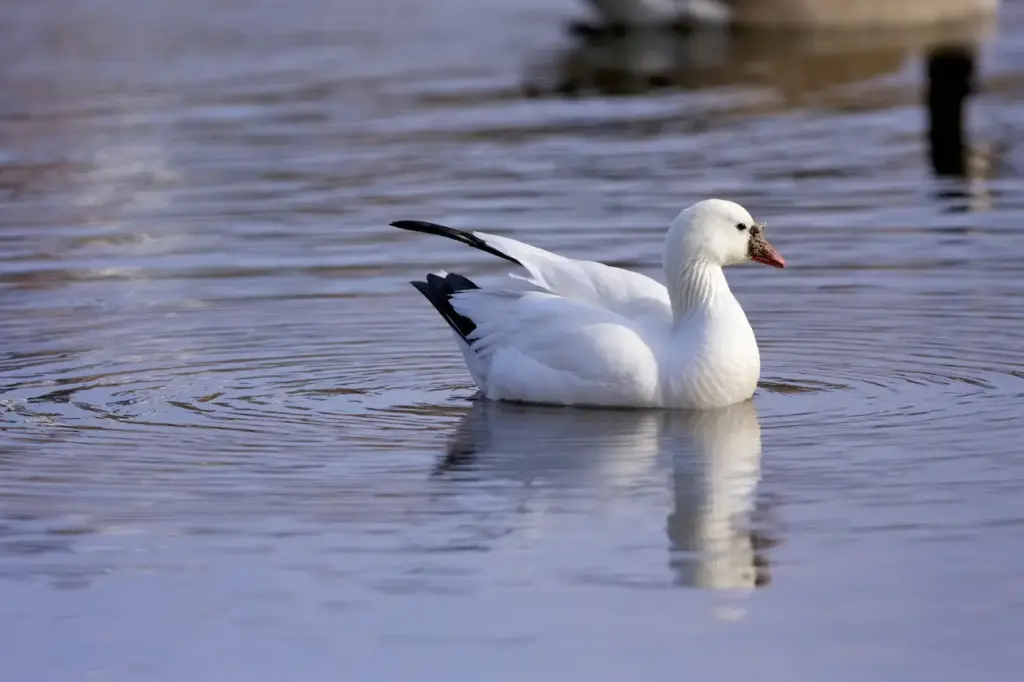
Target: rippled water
<point>237,445</point>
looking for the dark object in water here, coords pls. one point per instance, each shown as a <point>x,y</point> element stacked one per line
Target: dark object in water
<point>950,75</point>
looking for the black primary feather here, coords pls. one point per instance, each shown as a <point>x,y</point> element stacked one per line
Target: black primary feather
<point>439,292</point>
<point>467,238</point>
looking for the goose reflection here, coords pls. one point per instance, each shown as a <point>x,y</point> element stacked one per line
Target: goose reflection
<point>714,481</point>
<point>711,458</point>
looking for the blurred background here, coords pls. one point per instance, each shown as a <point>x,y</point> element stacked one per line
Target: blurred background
<point>235,444</point>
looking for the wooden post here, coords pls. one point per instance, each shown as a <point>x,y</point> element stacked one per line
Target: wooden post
<point>950,82</point>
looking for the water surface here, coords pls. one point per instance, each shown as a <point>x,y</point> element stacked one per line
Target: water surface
<point>236,444</point>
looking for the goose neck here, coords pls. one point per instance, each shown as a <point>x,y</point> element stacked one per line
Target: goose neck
<point>695,287</point>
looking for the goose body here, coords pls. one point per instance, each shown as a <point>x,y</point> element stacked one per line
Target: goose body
<point>585,333</point>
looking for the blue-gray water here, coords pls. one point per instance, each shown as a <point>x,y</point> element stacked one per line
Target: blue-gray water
<point>237,445</point>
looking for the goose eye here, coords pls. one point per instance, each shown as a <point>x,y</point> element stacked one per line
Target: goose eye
<point>740,226</point>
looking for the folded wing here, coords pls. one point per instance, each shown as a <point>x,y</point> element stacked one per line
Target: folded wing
<point>627,293</point>
<point>548,348</point>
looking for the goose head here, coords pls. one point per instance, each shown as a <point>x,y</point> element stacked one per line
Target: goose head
<point>719,232</point>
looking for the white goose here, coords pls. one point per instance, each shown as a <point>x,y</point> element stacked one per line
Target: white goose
<point>592,334</point>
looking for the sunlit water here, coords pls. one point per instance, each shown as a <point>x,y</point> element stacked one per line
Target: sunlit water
<point>236,444</point>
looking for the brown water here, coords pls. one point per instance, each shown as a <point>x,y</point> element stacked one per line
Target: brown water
<point>236,445</point>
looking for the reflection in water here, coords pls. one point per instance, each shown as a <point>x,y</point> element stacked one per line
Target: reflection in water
<point>715,468</point>
<point>784,14</point>
<point>796,65</point>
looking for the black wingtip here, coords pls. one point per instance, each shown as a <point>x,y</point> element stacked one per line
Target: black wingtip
<point>460,283</point>
<point>439,291</point>
<point>467,238</point>
<point>424,226</point>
